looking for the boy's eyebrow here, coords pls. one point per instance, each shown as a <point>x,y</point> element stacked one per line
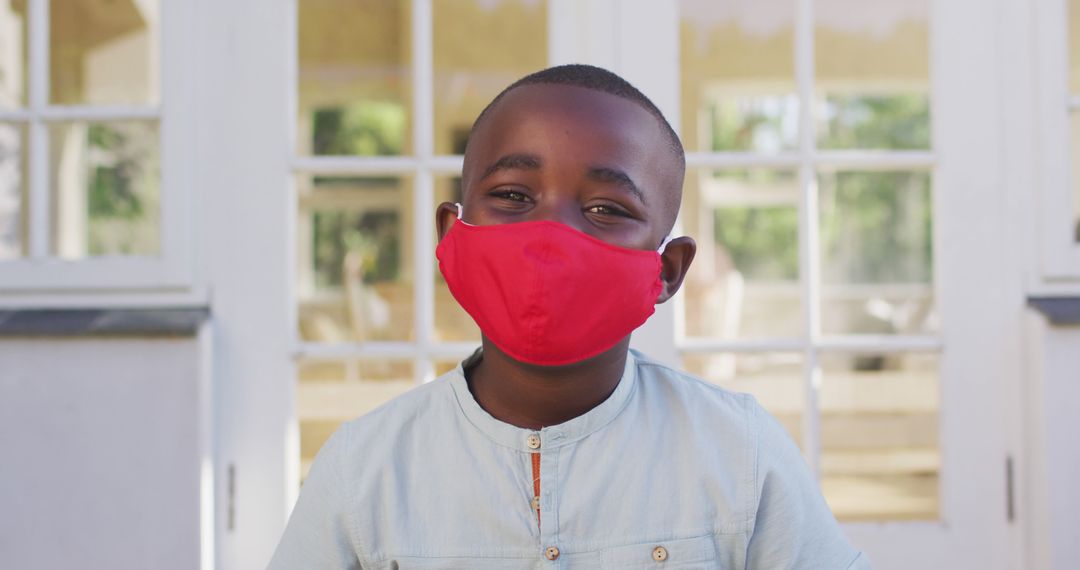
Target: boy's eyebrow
<point>614,175</point>
<point>512,162</point>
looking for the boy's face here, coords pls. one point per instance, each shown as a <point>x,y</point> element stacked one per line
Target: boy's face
<point>591,160</point>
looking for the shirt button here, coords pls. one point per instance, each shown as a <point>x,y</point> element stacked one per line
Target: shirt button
<point>551,553</point>
<point>535,502</point>
<point>659,554</point>
<point>533,441</point>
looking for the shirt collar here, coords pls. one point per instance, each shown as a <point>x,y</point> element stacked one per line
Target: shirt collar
<point>551,437</point>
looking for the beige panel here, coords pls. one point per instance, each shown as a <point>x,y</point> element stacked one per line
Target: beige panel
<point>104,52</point>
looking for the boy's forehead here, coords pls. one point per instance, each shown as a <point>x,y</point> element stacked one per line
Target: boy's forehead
<point>556,102</point>
<point>612,123</point>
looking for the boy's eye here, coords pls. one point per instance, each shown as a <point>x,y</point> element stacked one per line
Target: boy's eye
<point>606,210</point>
<point>509,194</point>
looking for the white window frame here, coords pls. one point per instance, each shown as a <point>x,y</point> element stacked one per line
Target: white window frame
<point>1058,247</point>
<point>39,271</point>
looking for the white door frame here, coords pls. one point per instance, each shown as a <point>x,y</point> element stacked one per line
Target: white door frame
<point>244,56</point>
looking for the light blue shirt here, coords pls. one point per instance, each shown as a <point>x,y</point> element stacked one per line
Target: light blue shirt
<point>669,471</point>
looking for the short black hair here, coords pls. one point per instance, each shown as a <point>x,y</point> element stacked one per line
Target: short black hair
<point>597,79</point>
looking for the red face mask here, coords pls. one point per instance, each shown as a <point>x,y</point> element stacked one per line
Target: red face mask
<point>546,293</point>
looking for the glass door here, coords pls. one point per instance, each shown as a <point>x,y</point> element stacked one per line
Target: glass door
<point>810,193</point>
<point>830,203</point>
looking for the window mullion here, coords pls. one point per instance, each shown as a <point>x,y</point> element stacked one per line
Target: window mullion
<point>423,188</point>
<point>809,250</point>
<point>38,163</point>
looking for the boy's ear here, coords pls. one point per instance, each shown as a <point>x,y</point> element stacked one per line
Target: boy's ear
<point>676,260</point>
<point>445,215</point>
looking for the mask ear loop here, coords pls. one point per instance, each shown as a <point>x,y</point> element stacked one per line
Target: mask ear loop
<point>460,212</point>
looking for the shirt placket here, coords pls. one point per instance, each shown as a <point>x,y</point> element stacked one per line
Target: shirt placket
<point>545,492</point>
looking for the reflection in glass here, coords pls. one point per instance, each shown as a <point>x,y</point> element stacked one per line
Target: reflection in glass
<point>774,379</point>
<point>354,77</point>
<point>330,392</point>
<point>745,281</point>
<point>106,197</point>
<point>13,197</point>
<point>898,121</point>
<point>104,52</point>
<point>481,47</point>
<point>879,435</point>
<point>13,54</point>
<point>872,74</point>
<point>452,323</point>
<point>877,254</point>
<point>738,75</point>
<point>354,259</point>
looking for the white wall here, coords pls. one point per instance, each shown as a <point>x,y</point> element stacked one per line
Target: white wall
<point>99,453</point>
<point>1053,457</point>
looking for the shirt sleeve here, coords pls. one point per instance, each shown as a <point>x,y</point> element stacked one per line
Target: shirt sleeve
<point>793,526</point>
<point>317,535</point>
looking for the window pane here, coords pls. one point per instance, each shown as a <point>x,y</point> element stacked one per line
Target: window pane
<point>877,253</point>
<point>354,252</point>
<point>745,278</point>
<point>104,52</point>
<point>105,188</point>
<point>330,392</point>
<point>481,46</point>
<point>13,60</point>
<point>452,323</point>
<point>738,75</point>
<point>879,435</point>
<point>13,198</point>
<point>873,81</point>
<point>775,379</point>
<point>355,77</point>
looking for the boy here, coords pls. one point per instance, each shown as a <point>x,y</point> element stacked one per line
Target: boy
<point>554,445</point>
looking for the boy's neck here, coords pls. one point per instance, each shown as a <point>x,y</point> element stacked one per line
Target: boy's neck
<point>532,397</point>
